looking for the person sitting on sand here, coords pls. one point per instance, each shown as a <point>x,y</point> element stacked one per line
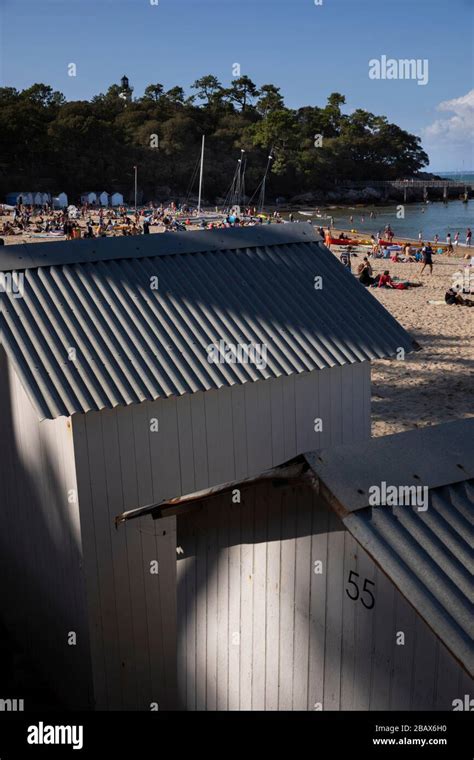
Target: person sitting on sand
<point>364,270</point>
<point>385,281</point>
<point>452,297</point>
<point>407,255</point>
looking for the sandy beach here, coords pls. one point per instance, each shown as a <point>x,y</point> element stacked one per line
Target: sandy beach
<point>435,384</point>
<point>432,385</point>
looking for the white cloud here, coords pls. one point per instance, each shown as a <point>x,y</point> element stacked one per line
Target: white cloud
<point>459,127</point>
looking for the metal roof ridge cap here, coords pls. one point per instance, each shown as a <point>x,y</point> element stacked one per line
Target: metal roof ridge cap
<point>34,256</point>
<point>450,473</point>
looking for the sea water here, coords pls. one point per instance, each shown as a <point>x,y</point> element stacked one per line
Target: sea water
<point>408,220</point>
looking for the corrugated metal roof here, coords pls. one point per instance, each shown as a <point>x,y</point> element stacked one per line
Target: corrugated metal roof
<point>431,456</point>
<point>133,343</point>
<point>428,554</point>
<point>429,557</point>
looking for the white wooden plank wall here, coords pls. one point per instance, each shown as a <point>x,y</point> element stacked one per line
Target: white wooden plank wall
<point>290,638</point>
<point>42,592</point>
<point>202,440</point>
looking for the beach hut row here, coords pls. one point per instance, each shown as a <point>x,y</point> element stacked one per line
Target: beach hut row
<point>36,199</point>
<point>29,198</point>
<point>102,199</point>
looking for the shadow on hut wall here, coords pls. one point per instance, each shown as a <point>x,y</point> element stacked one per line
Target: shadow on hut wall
<point>41,599</point>
<point>263,626</point>
<point>249,591</point>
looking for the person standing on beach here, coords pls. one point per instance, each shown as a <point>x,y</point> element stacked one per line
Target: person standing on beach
<point>427,258</point>
<point>456,240</point>
<point>448,243</point>
<point>468,236</point>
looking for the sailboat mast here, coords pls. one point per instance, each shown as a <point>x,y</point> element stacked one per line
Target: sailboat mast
<point>201,173</point>
<point>264,183</point>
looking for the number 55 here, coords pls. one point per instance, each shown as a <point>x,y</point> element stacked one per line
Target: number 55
<point>365,590</point>
<point>369,593</point>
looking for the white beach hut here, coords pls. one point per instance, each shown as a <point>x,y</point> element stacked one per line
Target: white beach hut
<point>38,199</point>
<point>103,198</point>
<point>89,197</point>
<point>116,199</point>
<point>26,198</point>
<point>215,423</point>
<point>19,197</point>
<point>45,198</point>
<point>60,200</point>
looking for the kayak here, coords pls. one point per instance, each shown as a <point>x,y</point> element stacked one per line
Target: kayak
<point>342,241</point>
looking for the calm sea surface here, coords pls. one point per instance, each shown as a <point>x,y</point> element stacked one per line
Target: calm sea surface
<point>429,219</point>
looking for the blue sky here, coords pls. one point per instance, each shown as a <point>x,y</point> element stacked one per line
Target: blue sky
<point>307,50</point>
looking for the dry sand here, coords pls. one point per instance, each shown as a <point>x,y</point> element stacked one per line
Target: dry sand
<point>430,386</point>
<point>435,384</point>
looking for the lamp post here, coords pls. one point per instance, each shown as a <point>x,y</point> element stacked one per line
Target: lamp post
<point>136,187</point>
<point>200,174</point>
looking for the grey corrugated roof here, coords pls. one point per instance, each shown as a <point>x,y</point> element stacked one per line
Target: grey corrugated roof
<point>430,456</point>
<point>133,344</point>
<point>429,557</point>
<point>428,554</point>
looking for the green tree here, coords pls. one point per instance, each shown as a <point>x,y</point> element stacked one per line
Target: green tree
<point>269,100</point>
<point>153,92</point>
<point>209,89</point>
<point>242,91</point>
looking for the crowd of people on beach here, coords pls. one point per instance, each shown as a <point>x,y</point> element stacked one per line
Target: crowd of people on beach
<point>404,254</point>
<point>90,222</point>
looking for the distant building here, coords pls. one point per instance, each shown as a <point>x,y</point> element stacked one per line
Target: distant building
<point>89,198</point>
<point>126,91</point>
<point>116,199</point>
<point>103,198</point>
<point>24,197</point>
<point>60,200</point>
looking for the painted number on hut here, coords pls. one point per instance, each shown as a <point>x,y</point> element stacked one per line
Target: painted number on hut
<point>365,596</point>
